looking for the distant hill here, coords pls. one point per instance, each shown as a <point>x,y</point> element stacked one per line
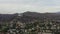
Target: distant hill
<point>6,17</point>
<point>29,16</point>
<point>42,15</point>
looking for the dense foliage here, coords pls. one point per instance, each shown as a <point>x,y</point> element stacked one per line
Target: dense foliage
<point>30,23</point>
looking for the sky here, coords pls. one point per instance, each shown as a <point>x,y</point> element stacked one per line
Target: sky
<point>20,6</point>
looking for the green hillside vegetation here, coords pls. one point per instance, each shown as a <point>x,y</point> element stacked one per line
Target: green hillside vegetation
<point>32,23</point>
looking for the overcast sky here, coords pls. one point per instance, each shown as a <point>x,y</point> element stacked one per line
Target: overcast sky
<point>19,6</point>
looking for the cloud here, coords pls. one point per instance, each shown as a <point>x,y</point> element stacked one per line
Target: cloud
<point>13,6</point>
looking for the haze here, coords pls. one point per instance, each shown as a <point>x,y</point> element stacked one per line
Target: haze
<point>19,6</point>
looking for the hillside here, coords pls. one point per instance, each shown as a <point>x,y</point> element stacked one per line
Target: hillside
<point>29,16</point>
